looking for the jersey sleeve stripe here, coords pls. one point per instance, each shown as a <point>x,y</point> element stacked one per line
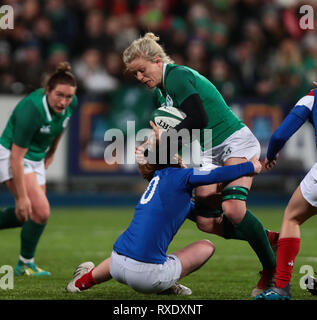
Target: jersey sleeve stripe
<point>306,101</point>
<point>48,114</point>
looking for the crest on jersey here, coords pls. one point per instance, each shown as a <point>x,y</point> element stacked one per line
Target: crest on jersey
<point>45,129</point>
<point>169,101</point>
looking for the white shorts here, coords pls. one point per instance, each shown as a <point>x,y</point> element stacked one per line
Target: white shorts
<point>145,277</point>
<point>29,166</point>
<point>308,186</point>
<point>241,144</point>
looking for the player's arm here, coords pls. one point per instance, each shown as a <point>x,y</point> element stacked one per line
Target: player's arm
<point>181,86</point>
<point>196,116</point>
<point>295,119</point>
<point>224,174</point>
<point>49,157</point>
<point>27,121</point>
<point>22,202</point>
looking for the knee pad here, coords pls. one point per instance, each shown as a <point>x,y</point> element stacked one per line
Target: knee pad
<point>235,193</point>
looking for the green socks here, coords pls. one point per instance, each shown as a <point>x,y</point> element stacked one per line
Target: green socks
<point>30,235</point>
<point>230,231</point>
<point>253,231</point>
<point>8,219</point>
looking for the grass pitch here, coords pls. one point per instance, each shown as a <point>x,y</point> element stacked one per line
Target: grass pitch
<point>75,235</point>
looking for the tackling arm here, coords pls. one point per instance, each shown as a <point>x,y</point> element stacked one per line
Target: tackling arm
<point>222,174</point>
<point>289,126</point>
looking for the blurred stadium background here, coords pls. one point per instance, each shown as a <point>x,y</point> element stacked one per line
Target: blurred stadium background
<point>252,50</point>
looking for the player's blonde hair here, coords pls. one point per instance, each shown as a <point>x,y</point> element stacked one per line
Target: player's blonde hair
<point>146,47</point>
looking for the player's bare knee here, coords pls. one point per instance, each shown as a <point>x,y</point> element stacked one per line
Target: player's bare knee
<point>234,202</point>
<point>40,214</point>
<point>204,224</point>
<point>207,248</point>
<point>40,219</point>
<point>234,209</point>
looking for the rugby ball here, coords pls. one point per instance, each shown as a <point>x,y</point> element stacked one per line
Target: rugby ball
<point>166,117</point>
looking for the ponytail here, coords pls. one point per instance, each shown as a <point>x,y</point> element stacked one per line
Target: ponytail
<point>62,75</point>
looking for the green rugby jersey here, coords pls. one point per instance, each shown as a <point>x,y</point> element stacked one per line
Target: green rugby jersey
<point>34,125</point>
<point>179,82</point>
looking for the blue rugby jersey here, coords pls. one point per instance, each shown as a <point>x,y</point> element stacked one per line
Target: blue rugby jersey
<point>304,109</point>
<point>163,208</point>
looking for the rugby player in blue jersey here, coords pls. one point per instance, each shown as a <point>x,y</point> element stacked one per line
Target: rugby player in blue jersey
<point>139,257</point>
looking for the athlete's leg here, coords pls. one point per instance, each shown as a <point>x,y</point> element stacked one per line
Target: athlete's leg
<point>208,209</point>
<point>236,209</point>
<point>8,217</point>
<point>247,224</point>
<point>193,256</point>
<point>33,228</point>
<point>208,201</point>
<point>297,212</point>
<point>209,217</point>
<point>37,195</point>
<point>102,272</point>
<point>87,275</point>
<point>211,225</point>
<point>208,213</point>
<point>237,222</point>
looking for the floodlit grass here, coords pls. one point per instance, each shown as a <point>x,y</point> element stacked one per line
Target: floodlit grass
<point>76,235</point>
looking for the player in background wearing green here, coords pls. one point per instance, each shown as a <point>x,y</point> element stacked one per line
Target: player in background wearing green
<point>231,143</point>
<point>27,147</point>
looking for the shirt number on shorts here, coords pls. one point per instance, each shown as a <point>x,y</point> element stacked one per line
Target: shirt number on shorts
<point>149,191</point>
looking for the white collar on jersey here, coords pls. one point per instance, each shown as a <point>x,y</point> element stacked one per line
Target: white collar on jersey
<point>163,74</point>
<point>47,110</point>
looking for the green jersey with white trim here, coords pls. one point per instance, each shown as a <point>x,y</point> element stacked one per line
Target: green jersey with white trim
<point>34,125</point>
<point>179,82</point>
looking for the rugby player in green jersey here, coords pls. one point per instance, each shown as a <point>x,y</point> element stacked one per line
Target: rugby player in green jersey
<point>27,147</point>
<point>229,143</point>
